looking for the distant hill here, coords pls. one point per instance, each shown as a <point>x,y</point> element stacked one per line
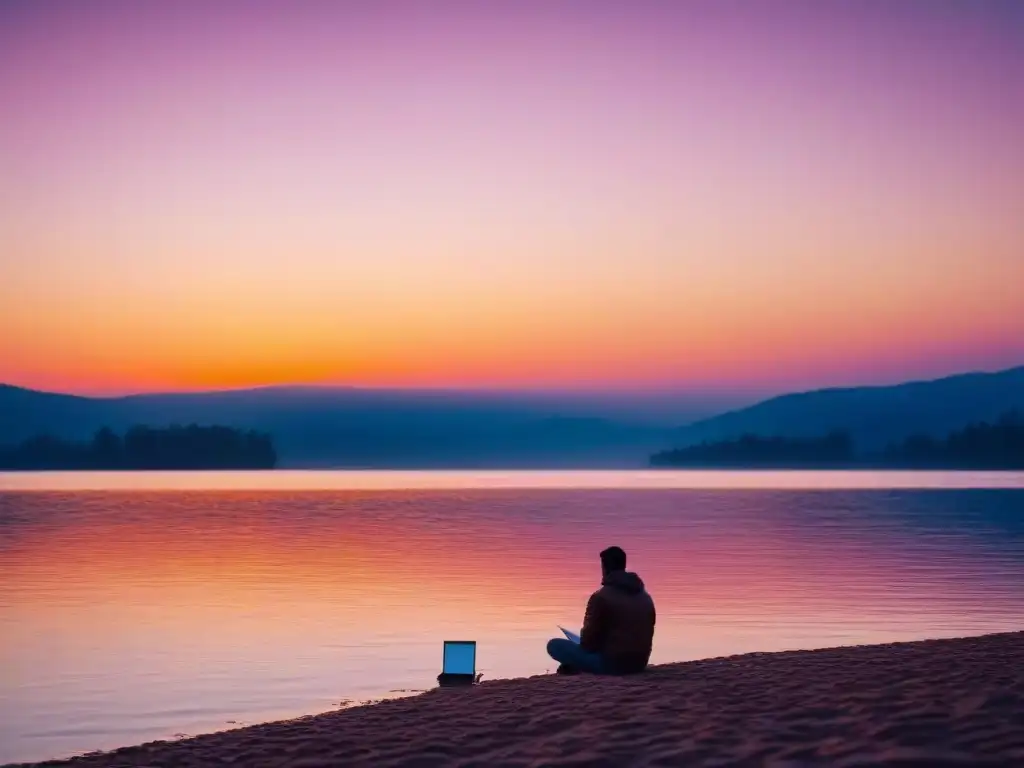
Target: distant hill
<point>325,427</point>
<point>873,416</point>
<point>339,427</point>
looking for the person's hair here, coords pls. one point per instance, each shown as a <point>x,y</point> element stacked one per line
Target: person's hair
<point>613,559</point>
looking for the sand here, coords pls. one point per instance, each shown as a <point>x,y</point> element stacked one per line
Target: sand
<point>932,703</point>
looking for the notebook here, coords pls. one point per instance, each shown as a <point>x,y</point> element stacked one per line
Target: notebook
<point>571,635</point>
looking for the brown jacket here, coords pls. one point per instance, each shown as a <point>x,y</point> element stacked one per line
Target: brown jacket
<point>619,623</point>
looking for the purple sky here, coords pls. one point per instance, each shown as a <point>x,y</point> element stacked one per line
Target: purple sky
<point>526,194</point>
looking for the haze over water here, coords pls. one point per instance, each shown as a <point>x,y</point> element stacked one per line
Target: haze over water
<point>138,613</point>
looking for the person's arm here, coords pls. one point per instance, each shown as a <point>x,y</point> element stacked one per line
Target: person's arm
<point>592,634</point>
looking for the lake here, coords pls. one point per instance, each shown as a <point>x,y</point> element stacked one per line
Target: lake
<point>139,606</point>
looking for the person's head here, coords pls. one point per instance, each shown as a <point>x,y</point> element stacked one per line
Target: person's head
<point>613,559</point>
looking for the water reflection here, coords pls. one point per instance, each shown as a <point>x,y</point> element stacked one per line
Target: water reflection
<point>133,615</point>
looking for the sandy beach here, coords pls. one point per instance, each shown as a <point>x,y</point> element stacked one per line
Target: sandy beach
<point>930,703</point>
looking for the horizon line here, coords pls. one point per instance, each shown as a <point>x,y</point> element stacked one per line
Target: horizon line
<point>665,390</point>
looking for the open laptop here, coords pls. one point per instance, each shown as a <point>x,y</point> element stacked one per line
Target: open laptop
<point>458,663</point>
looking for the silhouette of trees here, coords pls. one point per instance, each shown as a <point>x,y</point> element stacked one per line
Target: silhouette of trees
<point>835,448</point>
<point>143,447</point>
<point>977,446</point>
<point>108,448</point>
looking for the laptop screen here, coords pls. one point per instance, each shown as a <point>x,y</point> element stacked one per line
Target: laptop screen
<point>459,658</point>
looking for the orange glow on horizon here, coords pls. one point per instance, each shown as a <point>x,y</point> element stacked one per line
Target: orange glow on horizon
<point>769,353</point>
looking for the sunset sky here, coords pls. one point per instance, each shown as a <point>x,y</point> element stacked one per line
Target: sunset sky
<point>635,195</point>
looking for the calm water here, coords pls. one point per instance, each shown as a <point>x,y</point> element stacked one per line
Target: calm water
<point>141,606</point>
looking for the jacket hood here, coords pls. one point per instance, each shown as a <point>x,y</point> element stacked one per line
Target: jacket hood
<point>627,581</point>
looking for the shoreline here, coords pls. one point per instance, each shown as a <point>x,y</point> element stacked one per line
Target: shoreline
<point>930,702</point>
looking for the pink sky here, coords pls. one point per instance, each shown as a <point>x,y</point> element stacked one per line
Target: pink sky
<point>222,194</point>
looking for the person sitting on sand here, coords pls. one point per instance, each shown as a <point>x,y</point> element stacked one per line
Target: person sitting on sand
<point>618,628</point>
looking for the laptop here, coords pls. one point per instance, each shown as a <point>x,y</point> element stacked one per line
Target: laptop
<point>458,663</point>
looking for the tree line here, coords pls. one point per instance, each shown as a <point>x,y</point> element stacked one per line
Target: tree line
<point>984,445</point>
<point>999,445</point>
<point>144,447</point>
<point>833,449</point>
